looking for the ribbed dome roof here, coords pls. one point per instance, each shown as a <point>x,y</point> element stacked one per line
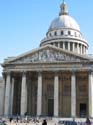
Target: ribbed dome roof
<point>64,20</point>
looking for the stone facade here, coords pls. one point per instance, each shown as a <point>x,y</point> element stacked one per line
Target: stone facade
<point>51,88</point>
<point>55,79</point>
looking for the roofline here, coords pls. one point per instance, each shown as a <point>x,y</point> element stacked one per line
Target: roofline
<point>40,48</point>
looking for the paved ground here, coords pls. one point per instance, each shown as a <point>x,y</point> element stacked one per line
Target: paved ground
<point>53,121</point>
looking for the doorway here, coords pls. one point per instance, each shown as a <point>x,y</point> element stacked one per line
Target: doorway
<point>83,110</point>
<point>50,107</point>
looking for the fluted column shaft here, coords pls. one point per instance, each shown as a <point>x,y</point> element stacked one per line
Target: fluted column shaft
<point>91,94</point>
<point>64,45</point>
<point>56,82</point>
<point>73,47</point>
<point>73,95</point>
<point>4,90</point>
<point>39,95</point>
<point>12,91</point>
<point>69,46</point>
<point>23,95</point>
<point>7,95</point>
<point>78,50</point>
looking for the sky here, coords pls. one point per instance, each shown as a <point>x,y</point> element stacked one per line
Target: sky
<point>24,23</point>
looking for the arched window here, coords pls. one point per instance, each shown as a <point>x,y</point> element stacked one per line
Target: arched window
<point>50,34</point>
<point>75,34</point>
<point>69,33</point>
<point>66,45</point>
<point>62,33</point>
<point>56,44</point>
<point>55,33</point>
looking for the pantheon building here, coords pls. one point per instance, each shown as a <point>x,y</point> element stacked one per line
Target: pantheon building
<point>56,79</point>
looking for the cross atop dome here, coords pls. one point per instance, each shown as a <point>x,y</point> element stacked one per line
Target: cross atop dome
<point>63,1</point>
<point>64,9</point>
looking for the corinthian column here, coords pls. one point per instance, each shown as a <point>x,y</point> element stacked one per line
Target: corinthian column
<point>56,82</point>
<point>73,95</point>
<point>91,94</point>
<point>4,90</point>
<point>23,95</point>
<point>7,95</point>
<point>73,47</point>
<point>12,91</point>
<point>39,95</point>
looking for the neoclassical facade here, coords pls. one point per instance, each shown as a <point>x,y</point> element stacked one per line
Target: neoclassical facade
<point>55,79</point>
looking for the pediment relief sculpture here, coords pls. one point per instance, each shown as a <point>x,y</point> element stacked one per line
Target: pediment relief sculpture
<point>48,55</point>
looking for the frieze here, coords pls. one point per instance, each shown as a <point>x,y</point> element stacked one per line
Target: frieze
<point>49,55</point>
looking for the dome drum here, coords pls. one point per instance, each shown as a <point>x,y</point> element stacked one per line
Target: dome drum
<point>70,44</point>
<point>62,39</point>
<point>64,32</point>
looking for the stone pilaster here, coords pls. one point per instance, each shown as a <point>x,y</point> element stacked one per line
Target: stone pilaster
<point>39,95</point>
<point>56,82</point>
<point>73,95</point>
<point>23,95</point>
<point>90,94</point>
<point>7,94</point>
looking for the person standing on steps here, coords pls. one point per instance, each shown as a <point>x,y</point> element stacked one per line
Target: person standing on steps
<point>44,122</point>
<point>88,122</point>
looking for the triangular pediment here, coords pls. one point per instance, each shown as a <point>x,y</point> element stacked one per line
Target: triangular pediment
<point>47,54</point>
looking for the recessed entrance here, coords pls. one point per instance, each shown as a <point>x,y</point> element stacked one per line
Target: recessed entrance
<point>50,107</point>
<point>82,109</point>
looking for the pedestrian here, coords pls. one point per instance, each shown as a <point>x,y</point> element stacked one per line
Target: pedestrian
<point>10,119</point>
<point>88,121</point>
<point>44,122</point>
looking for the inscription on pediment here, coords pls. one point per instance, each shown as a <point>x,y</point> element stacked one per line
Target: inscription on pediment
<point>48,55</point>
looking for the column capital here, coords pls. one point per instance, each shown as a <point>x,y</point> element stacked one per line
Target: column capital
<point>39,73</point>
<point>24,73</point>
<point>73,72</point>
<point>90,71</point>
<point>4,74</point>
<point>7,72</point>
<point>56,72</point>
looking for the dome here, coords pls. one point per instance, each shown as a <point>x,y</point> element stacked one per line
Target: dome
<point>64,32</point>
<point>64,21</point>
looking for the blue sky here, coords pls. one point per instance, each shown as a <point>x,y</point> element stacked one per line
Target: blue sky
<point>24,23</point>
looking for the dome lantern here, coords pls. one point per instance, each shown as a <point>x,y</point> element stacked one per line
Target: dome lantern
<point>64,9</point>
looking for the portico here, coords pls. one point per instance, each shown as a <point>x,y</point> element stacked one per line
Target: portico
<point>33,90</point>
